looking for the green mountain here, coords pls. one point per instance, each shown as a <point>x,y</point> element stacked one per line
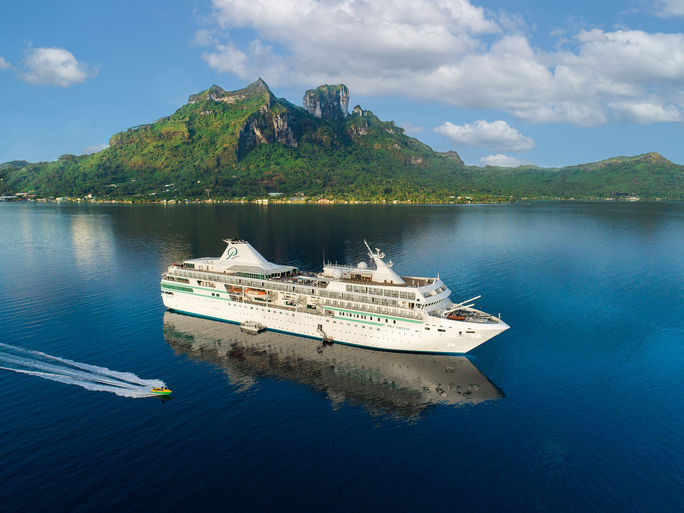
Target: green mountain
<point>247,143</point>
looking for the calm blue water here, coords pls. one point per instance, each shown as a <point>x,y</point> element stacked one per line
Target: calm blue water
<point>578,407</point>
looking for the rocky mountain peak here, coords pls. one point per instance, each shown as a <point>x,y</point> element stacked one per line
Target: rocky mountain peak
<point>328,102</point>
<point>218,94</point>
<point>213,93</point>
<point>257,87</point>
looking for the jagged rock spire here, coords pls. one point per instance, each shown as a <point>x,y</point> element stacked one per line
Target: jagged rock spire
<point>329,102</point>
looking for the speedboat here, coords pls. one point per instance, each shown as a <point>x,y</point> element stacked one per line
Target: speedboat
<point>160,391</point>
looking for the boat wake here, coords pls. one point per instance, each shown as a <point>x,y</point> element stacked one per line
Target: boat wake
<point>90,377</point>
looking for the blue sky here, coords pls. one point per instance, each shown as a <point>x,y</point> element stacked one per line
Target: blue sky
<point>502,82</point>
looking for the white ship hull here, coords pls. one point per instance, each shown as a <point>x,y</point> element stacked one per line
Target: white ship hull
<point>406,335</point>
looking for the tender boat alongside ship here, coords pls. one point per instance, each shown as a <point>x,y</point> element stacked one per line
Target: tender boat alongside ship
<point>368,306</point>
<point>252,327</point>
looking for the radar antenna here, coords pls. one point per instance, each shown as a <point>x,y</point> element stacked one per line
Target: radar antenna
<point>373,256</point>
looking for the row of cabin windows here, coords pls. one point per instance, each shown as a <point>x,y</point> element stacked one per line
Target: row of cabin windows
<point>400,312</point>
<point>380,292</point>
<point>366,317</point>
<point>356,297</point>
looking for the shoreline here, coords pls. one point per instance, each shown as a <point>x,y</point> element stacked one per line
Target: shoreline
<point>321,201</point>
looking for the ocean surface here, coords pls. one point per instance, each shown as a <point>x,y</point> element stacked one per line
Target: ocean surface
<point>578,407</point>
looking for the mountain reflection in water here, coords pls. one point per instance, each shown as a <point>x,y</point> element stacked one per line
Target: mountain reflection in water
<point>397,384</point>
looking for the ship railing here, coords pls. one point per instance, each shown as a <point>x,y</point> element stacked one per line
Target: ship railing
<point>394,312</point>
<point>229,277</point>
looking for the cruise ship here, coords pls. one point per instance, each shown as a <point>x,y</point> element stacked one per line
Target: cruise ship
<point>367,305</point>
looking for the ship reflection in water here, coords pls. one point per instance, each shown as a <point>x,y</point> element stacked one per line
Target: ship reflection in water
<point>396,384</point>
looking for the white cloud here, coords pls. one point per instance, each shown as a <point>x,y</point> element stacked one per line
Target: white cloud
<point>228,59</point>
<point>94,149</point>
<point>4,64</point>
<point>646,112</point>
<point>54,66</point>
<point>452,52</point>
<point>360,36</point>
<point>497,135</point>
<point>501,160</point>
<point>669,8</point>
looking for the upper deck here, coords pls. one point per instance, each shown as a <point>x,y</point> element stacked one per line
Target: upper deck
<point>301,277</point>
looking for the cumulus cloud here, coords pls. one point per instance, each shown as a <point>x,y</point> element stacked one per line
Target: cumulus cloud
<point>452,52</point>
<point>226,58</point>
<point>54,66</point>
<point>4,64</point>
<point>94,149</point>
<point>496,135</point>
<point>360,35</point>
<point>248,64</point>
<point>647,112</point>
<point>501,160</point>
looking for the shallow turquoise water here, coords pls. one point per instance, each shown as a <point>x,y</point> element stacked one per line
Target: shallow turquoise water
<point>577,407</point>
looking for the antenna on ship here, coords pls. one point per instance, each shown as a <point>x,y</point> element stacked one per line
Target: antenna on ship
<point>370,252</point>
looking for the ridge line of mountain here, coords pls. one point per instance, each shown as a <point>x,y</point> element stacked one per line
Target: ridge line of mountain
<point>249,143</point>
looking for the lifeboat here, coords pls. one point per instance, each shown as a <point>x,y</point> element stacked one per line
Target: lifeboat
<point>255,293</point>
<point>259,295</point>
<point>235,290</point>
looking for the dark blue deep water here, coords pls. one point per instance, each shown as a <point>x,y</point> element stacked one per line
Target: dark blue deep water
<point>578,407</point>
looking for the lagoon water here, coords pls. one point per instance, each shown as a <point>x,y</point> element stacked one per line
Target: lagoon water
<point>578,407</point>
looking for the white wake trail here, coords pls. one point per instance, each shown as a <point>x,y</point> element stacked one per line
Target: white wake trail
<point>62,370</point>
<point>50,368</point>
<point>102,371</point>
